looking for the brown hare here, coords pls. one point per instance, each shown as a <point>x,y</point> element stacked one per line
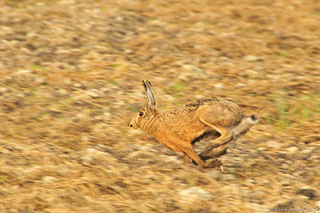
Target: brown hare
<point>181,128</point>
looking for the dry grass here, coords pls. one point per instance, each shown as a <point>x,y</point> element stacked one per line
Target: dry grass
<point>70,75</point>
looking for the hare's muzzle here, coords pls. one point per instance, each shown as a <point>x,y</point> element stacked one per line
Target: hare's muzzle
<point>132,124</point>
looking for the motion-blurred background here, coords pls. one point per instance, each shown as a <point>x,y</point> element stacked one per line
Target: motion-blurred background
<point>70,81</point>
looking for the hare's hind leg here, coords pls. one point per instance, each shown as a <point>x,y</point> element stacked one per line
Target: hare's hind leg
<point>225,134</point>
<point>225,137</point>
<point>211,152</point>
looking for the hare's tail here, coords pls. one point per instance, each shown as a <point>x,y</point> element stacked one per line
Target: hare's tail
<point>244,126</point>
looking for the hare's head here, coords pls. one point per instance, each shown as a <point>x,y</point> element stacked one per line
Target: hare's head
<point>147,113</point>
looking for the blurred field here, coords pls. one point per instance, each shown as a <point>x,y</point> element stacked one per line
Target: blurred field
<point>70,81</point>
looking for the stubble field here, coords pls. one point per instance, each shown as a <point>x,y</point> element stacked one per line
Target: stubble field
<point>70,81</point>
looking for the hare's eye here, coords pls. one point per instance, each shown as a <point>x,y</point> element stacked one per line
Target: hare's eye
<point>141,114</point>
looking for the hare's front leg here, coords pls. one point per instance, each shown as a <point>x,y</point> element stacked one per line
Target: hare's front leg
<point>177,144</point>
<point>186,159</point>
<point>212,164</point>
<point>189,151</point>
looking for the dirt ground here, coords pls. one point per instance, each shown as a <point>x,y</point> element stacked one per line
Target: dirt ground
<point>70,81</point>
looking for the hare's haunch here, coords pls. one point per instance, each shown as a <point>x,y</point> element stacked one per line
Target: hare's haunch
<point>181,128</point>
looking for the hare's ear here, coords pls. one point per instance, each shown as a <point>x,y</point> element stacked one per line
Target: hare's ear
<point>150,94</point>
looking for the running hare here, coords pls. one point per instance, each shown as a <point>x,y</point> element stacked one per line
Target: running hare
<point>179,129</point>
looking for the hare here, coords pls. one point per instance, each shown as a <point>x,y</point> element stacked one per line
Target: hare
<point>181,128</point>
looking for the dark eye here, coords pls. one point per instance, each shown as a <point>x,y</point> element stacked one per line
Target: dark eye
<point>141,114</point>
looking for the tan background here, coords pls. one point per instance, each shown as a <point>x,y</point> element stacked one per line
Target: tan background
<point>70,81</point>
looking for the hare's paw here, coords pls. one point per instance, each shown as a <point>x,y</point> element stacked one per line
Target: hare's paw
<point>215,164</point>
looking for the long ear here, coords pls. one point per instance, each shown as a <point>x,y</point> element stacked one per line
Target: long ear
<point>150,94</point>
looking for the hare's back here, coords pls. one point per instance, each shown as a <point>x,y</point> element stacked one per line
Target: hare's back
<point>219,112</point>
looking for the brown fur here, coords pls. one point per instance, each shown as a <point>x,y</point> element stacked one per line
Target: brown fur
<point>178,129</point>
